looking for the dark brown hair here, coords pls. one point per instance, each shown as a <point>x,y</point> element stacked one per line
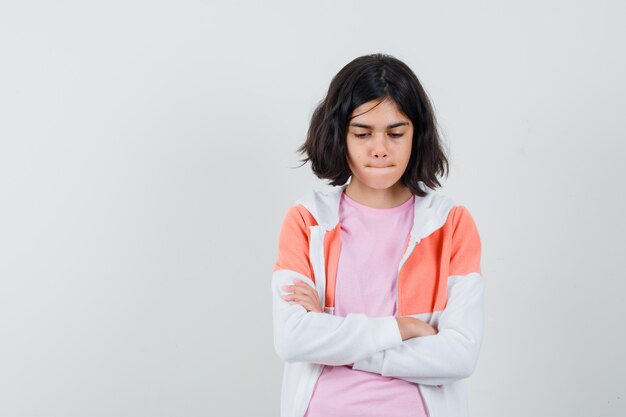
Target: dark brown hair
<point>367,78</point>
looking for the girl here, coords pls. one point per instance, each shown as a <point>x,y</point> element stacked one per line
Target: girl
<point>377,288</point>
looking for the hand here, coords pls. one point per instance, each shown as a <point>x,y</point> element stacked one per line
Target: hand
<point>303,294</point>
<point>411,327</point>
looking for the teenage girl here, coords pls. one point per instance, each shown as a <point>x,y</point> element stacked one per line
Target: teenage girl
<point>377,289</point>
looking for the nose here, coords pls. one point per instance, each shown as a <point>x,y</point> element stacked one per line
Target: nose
<point>379,147</point>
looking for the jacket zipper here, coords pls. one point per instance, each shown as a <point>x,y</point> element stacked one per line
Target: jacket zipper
<point>318,262</point>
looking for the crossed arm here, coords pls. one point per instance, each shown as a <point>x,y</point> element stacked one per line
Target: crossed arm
<point>400,347</point>
<point>306,296</point>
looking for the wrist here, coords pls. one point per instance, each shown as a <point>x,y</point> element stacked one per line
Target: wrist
<point>411,327</point>
<point>403,326</point>
<point>424,329</point>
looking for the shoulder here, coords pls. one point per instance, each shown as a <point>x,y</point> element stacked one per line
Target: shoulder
<point>463,228</point>
<point>460,223</point>
<point>299,215</point>
<point>460,215</point>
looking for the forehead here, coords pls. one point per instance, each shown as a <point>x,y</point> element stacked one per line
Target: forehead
<point>383,110</point>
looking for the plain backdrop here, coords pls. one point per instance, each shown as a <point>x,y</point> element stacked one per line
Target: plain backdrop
<point>147,158</point>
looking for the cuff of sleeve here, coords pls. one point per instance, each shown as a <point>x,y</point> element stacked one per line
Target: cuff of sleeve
<point>386,333</point>
<point>372,364</point>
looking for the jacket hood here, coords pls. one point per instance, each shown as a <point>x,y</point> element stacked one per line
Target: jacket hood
<point>430,212</point>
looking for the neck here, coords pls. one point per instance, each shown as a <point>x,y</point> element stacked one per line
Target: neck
<point>378,198</point>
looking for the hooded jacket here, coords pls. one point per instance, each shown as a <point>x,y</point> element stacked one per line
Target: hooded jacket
<point>439,281</point>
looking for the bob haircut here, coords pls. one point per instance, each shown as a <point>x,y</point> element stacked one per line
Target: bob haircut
<point>366,78</point>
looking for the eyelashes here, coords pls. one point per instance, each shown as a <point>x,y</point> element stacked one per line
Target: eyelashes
<point>393,135</point>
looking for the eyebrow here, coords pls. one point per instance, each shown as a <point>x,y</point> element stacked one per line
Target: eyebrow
<point>391,126</point>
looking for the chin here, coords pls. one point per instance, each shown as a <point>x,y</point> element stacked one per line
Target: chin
<point>379,183</point>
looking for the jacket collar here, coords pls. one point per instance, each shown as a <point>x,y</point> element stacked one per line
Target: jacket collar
<point>430,212</point>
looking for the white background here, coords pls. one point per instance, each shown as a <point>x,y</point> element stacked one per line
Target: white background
<point>146,154</point>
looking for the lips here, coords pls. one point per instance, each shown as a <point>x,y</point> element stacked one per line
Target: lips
<point>386,166</point>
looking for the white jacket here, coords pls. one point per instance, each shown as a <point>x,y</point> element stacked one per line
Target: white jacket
<point>439,281</point>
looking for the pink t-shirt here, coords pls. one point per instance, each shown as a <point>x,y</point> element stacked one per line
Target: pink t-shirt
<point>372,242</point>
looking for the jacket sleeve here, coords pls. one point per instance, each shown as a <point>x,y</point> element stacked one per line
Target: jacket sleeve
<point>304,336</point>
<point>452,353</point>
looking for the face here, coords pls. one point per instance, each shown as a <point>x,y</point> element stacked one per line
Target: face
<point>379,144</point>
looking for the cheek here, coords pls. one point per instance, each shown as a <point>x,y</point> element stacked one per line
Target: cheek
<point>406,155</point>
<point>349,157</point>
<point>408,149</point>
<point>353,153</point>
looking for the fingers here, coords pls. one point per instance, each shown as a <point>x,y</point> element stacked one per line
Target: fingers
<point>300,288</point>
<point>301,293</point>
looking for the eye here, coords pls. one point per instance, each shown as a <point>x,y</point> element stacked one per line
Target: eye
<point>396,135</point>
<point>360,135</point>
